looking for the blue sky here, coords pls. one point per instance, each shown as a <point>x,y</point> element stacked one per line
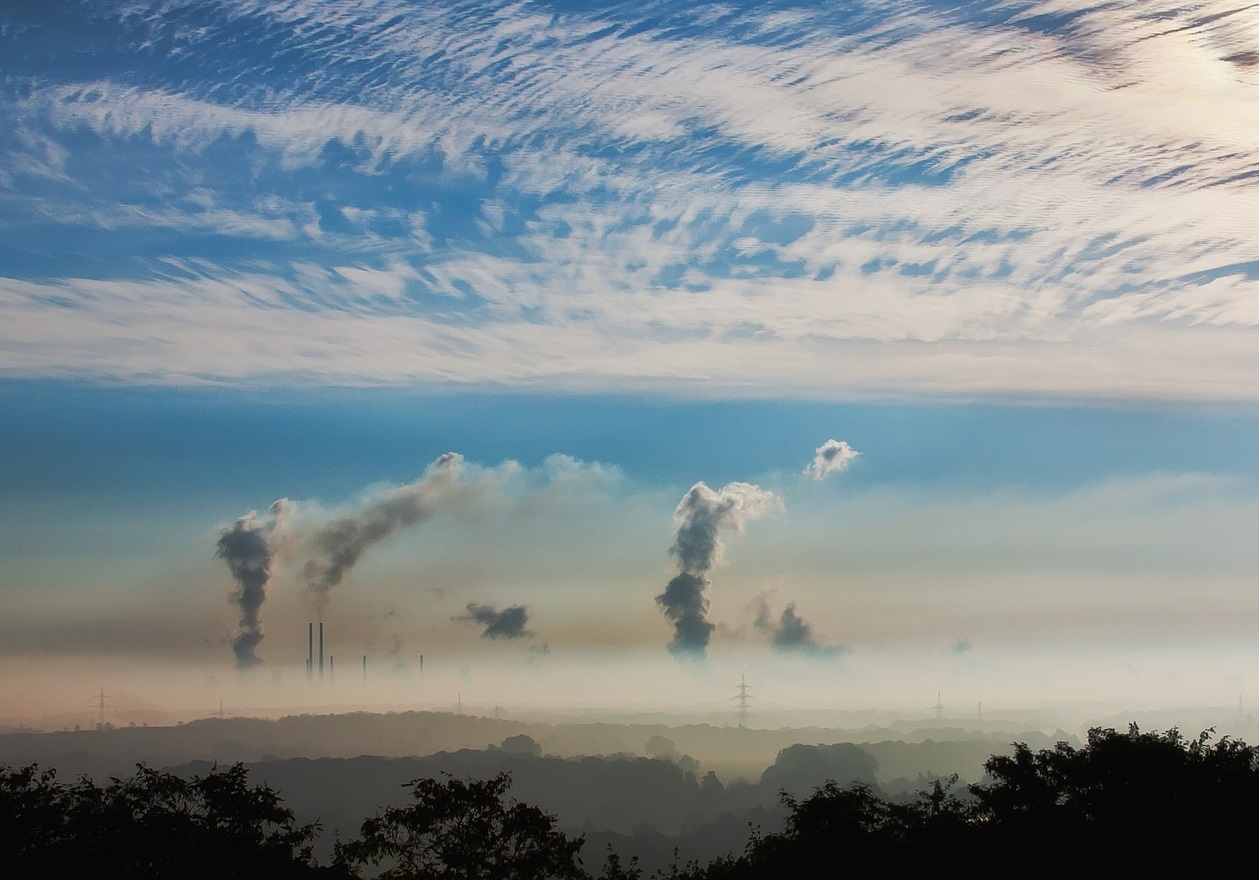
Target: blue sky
<point>262,250</point>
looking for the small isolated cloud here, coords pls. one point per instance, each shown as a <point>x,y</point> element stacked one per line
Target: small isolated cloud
<point>790,632</point>
<point>831,456</point>
<point>506,624</point>
<point>961,646</point>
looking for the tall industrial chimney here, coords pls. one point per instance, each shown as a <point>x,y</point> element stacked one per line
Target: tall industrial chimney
<point>310,650</point>
<point>321,650</point>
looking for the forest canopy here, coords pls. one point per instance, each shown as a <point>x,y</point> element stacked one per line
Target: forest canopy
<point>1127,799</point>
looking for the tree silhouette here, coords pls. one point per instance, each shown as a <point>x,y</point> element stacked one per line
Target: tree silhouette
<point>154,824</point>
<point>1139,798</point>
<point>1122,801</point>
<point>464,830</point>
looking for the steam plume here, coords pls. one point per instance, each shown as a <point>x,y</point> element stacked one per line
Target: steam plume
<point>790,632</point>
<point>341,544</point>
<point>249,547</point>
<point>700,517</point>
<point>833,455</point>
<point>506,624</point>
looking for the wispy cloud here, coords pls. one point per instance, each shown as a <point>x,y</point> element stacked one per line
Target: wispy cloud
<point>859,199</point>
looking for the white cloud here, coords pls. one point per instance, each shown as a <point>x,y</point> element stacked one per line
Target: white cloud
<point>967,196</point>
<point>831,457</point>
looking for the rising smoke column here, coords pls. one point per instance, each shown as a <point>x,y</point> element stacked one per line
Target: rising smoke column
<point>249,548</point>
<point>341,544</point>
<point>831,456</point>
<point>700,516</point>
<point>506,624</point>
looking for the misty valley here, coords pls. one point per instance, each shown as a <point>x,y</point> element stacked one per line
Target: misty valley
<point>362,794</point>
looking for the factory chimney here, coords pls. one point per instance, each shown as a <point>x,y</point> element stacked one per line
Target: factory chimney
<point>310,650</point>
<point>321,650</point>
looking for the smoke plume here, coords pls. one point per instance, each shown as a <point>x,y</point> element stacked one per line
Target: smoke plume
<point>790,632</point>
<point>700,517</point>
<point>831,456</point>
<point>506,624</point>
<point>341,544</point>
<point>249,548</point>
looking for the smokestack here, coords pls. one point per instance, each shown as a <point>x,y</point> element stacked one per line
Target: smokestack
<point>421,664</point>
<point>321,650</point>
<point>330,659</point>
<point>364,669</point>
<point>310,650</point>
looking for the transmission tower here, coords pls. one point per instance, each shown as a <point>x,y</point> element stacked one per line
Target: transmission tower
<point>743,700</point>
<point>939,707</point>
<point>101,702</point>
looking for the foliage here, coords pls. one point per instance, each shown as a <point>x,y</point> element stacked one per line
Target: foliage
<point>1139,796</point>
<point>1123,800</point>
<point>460,829</point>
<point>153,825</point>
<point>613,869</point>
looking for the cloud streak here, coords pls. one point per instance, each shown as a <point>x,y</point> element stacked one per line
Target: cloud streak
<point>869,198</point>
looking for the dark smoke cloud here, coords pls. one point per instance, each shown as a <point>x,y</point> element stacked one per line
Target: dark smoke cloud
<point>790,632</point>
<point>831,456</point>
<point>506,624</point>
<point>249,549</point>
<point>700,517</point>
<point>685,602</point>
<point>341,544</point>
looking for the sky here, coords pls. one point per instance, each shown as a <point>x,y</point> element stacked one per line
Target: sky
<point>603,354</point>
